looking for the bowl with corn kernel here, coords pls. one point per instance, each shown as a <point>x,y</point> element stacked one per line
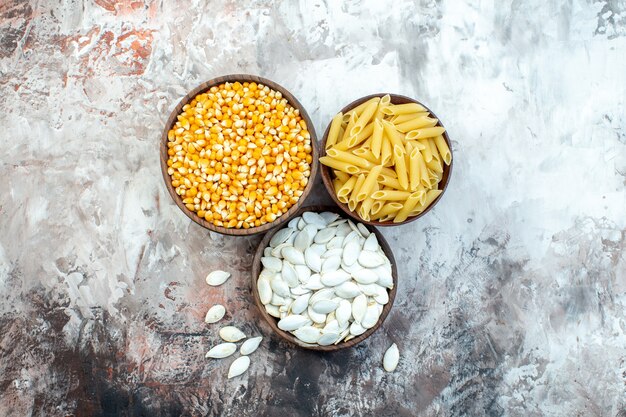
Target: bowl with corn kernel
<point>238,155</point>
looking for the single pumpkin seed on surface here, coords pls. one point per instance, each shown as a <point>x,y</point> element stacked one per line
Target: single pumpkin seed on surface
<point>231,334</point>
<point>250,345</point>
<point>239,366</point>
<point>222,350</point>
<point>216,278</point>
<point>215,314</point>
<point>391,358</point>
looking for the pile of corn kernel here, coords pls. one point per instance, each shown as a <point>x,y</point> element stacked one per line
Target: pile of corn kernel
<point>239,155</point>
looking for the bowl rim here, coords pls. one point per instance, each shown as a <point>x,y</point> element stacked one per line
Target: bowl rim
<point>285,217</point>
<point>326,174</point>
<point>272,321</point>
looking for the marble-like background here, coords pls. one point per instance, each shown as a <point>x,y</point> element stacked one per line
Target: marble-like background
<point>512,297</point>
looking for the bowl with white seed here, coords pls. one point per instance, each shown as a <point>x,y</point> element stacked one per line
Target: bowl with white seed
<point>324,282</point>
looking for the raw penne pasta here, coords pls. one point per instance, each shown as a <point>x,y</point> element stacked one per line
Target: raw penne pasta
<point>401,118</point>
<point>364,117</point>
<point>389,181</point>
<point>391,195</point>
<point>339,165</point>
<point>366,154</point>
<point>346,188</point>
<point>377,138</point>
<point>410,203</point>
<point>343,177</point>
<point>387,209</point>
<point>394,109</point>
<point>413,124</point>
<point>443,149</point>
<point>333,132</point>
<point>386,160</point>
<point>426,152</point>
<point>414,169</point>
<point>400,165</point>
<point>349,158</point>
<point>369,184</point>
<point>385,152</point>
<point>352,200</point>
<point>426,132</point>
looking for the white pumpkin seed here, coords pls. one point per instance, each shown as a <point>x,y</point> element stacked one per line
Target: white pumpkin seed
<point>223,350</point>
<point>318,248</point>
<point>330,253</point>
<point>351,252</point>
<point>331,326</point>
<point>359,306</point>
<point>305,238</point>
<point>313,260</point>
<point>271,263</point>
<point>382,296</point>
<point>283,314</point>
<point>317,318</point>
<point>239,366</point>
<point>337,222</point>
<point>371,317</point>
<point>369,289</point>
<point>281,236</point>
<point>278,301</point>
<point>280,287</point>
<point>293,322</point>
<point>328,338</point>
<point>272,310</point>
<point>330,264</point>
<point>384,277</point>
<point>314,283</point>
<point>370,259</point>
<point>350,237</point>
<point>250,345</point>
<point>301,303</point>
<point>334,278</point>
<point>363,230</point>
<point>231,334</point>
<point>351,268</point>
<point>331,316</point>
<point>301,224</point>
<point>308,334</point>
<point>325,306</point>
<point>335,243</point>
<point>293,223</point>
<point>353,226</point>
<point>343,229</point>
<point>215,314</point>
<point>216,278</point>
<point>356,329</point>
<point>313,218</point>
<point>365,276</point>
<point>371,243</point>
<point>347,290</point>
<point>277,251</point>
<point>267,251</point>
<point>289,275</point>
<point>323,294</point>
<point>391,358</point>
<point>304,273</point>
<point>293,255</point>
<point>299,290</point>
<point>329,217</point>
<point>325,235</point>
<point>343,312</point>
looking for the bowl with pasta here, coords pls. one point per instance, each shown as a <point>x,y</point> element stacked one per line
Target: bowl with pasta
<point>386,159</point>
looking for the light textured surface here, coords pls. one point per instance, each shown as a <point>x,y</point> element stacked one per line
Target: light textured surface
<point>512,297</point>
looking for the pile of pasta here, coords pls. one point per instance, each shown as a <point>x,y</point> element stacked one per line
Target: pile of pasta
<point>387,159</point>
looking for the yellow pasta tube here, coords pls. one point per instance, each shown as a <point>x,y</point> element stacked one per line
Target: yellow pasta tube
<point>431,196</point>
<point>366,154</point>
<point>333,132</point>
<point>387,209</point>
<point>428,155</point>
<point>346,188</point>
<point>389,181</point>
<point>349,158</point>
<point>414,169</point>
<point>359,109</point>
<point>392,195</point>
<point>376,206</point>
<point>364,118</point>
<point>400,165</point>
<point>435,165</point>
<point>365,133</point>
<point>426,132</point>
<point>416,144</point>
<point>393,109</point>
<point>366,206</point>
<point>443,149</point>
<point>369,184</point>
<point>384,102</point>
<point>351,121</point>
<point>394,136</point>
<point>413,124</point>
<point>424,179</point>
<point>377,138</point>
<point>352,200</point>
<point>337,185</point>
<point>385,152</point>
<point>343,177</point>
<point>401,118</point>
<point>406,209</point>
<point>339,165</point>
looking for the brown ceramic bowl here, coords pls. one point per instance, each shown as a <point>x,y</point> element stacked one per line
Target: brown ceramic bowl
<point>273,322</point>
<point>327,174</point>
<point>164,157</point>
